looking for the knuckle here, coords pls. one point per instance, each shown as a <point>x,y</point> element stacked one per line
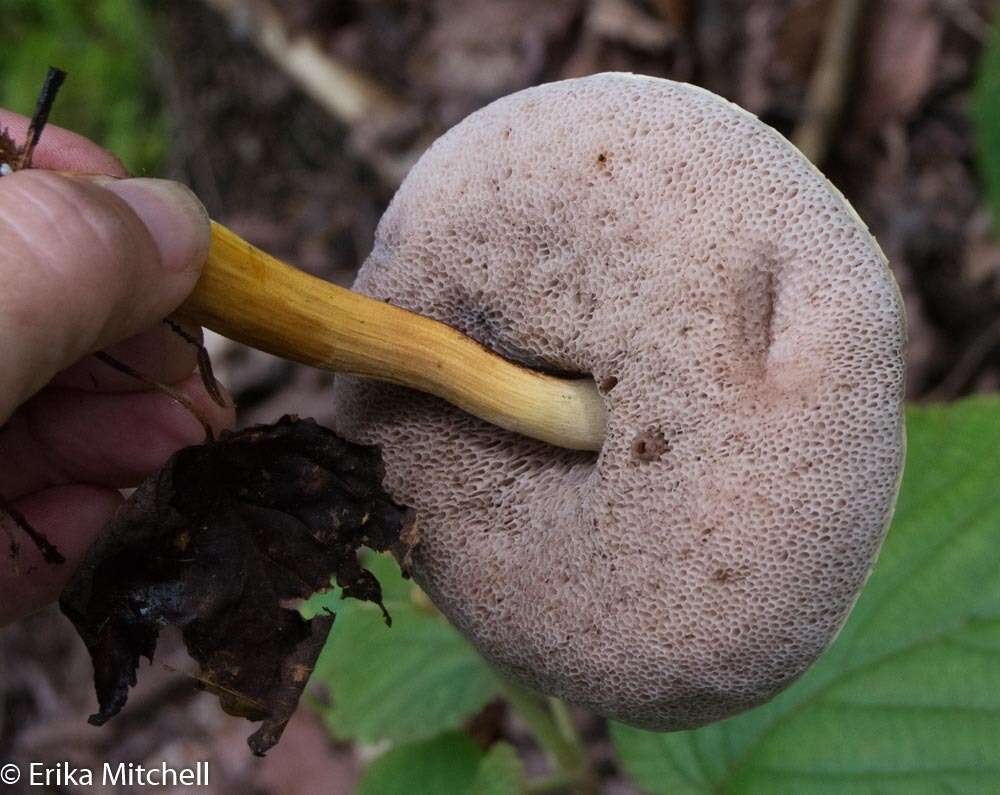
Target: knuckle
<point>59,219</point>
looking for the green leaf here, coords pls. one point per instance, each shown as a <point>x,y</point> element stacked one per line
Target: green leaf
<point>402,683</point>
<point>908,698</point>
<point>500,772</point>
<point>444,765</point>
<point>986,117</point>
<point>449,764</point>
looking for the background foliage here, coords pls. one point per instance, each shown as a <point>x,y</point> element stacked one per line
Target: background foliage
<point>908,697</point>
<point>412,685</point>
<point>105,46</point>
<point>906,700</point>
<point>381,677</point>
<point>986,116</point>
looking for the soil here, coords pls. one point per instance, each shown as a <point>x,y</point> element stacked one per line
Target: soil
<point>281,171</point>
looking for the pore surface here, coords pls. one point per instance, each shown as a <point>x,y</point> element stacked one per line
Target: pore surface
<point>747,335</point>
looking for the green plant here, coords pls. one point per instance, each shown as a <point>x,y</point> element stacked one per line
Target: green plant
<point>986,117</point>
<point>907,699</point>
<point>412,685</point>
<point>104,45</point>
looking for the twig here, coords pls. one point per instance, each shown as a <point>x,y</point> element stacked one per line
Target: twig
<point>827,90</point>
<point>43,107</point>
<point>46,547</point>
<point>204,363</point>
<point>169,391</point>
<point>13,157</point>
<point>13,546</point>
<point>346,93</point>
<point>204,683</point>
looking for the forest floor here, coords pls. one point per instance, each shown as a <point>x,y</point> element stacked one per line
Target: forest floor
<point>310,187</point>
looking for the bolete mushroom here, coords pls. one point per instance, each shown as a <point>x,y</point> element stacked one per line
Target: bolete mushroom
<point>745,336</point>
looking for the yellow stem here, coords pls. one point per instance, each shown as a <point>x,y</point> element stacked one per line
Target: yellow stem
<point>251,297</point>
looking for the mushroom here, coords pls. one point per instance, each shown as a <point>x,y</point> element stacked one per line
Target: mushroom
<point>747,337</point>
<point>707,323</point>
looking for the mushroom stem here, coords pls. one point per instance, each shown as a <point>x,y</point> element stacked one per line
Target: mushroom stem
<point>249,296</point>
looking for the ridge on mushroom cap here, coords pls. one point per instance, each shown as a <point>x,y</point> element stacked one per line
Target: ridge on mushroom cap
<point>748,337</point>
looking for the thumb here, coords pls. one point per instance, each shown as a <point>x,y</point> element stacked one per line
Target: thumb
<point>86,262</point>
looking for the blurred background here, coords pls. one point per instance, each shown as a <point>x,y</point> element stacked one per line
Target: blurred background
<point>296,120</point>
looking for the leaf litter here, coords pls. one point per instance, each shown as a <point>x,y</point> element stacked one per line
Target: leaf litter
<point>221,542</point>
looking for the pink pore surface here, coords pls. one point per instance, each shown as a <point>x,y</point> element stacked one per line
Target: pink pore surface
<point>749,339</point>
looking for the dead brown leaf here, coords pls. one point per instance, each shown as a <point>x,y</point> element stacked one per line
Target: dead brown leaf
<point>218,543</point>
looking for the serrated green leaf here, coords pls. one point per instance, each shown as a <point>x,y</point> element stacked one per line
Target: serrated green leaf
<point>908,698</point>
<point>986,117</point>
<point>401,683</point>
<point>500,772</point>
<point>444,765</point>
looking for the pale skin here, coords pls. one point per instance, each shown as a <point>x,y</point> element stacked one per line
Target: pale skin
<point>86,265</point>
<point>90,263</point>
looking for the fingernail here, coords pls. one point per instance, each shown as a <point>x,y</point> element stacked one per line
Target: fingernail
<point>175,218</point>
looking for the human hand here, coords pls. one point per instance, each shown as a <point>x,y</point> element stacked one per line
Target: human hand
<point>87,264</point>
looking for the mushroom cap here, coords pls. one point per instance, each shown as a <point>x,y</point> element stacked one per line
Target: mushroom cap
<point>748,338</point>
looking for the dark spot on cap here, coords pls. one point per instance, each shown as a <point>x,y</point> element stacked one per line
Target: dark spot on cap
<point>649,445</point>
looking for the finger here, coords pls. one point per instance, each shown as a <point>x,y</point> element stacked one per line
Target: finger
<point>63,150</point>
<point>71,517</point>
<point>160,354</point>
<point>65,436</point>
<point>84,266</point>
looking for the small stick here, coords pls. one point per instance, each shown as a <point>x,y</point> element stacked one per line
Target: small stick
<point>49,551</point>
<point>204,363</point>
<point>346,93</point>
<point>43,107</point>
<point>169,391</point>
<point>827,89</point>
